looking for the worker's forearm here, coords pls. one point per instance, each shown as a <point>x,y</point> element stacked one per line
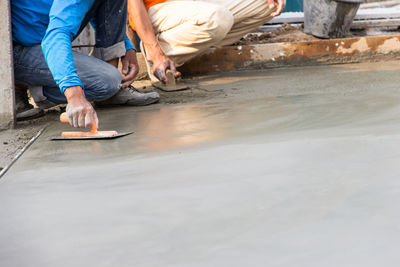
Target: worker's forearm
<point>144,28</point>
<point>73,93</point>
<point>65,18</point>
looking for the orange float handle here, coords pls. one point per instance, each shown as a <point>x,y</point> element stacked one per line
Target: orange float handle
<point>64,119</point>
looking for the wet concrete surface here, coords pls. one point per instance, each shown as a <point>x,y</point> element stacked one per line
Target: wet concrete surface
<point>287,167</point>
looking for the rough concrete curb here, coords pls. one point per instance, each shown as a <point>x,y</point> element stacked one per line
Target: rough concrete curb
<point>7,99</point>
<point>319,52</point>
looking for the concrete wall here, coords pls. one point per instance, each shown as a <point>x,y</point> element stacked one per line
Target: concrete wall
<point>7,102</point>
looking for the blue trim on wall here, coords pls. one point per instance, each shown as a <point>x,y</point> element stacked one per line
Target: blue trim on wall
<point>294,5</point>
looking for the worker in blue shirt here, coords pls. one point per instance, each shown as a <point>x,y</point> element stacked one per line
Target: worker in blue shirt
<point>43,58</point>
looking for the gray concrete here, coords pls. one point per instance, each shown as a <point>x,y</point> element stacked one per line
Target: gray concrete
<point>296,167</point>
<point>7,102</point>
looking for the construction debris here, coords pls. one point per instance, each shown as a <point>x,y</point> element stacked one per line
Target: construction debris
<point>285,33</point>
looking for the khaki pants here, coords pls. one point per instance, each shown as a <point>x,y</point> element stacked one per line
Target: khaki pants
<point>186,28</point>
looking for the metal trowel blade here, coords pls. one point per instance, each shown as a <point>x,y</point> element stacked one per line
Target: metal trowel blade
<point>62,138</point>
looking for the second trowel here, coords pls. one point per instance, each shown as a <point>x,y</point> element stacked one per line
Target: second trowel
<point>173,84</point>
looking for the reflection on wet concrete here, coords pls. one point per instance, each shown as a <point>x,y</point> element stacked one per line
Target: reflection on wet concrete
<point>171,128</point>
<point>174,127</point>
<point>280,172</point>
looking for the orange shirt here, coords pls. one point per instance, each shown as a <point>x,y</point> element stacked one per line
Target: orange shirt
<point>150,3</point>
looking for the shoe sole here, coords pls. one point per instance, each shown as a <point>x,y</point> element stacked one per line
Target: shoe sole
<point>129,103</point>
<point>30,114</point>
<point>145,103</point>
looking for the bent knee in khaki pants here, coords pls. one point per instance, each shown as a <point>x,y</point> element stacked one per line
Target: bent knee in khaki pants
<point>187,28</point>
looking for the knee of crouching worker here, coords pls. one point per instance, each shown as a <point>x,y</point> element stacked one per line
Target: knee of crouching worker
<point>111,83</point>
<point>221,22</point>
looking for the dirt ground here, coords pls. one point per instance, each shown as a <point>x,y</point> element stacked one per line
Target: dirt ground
<point>13,140</point>
<point>290,33</point>
<point>286,33</point>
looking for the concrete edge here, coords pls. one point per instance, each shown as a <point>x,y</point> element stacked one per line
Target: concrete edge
<point>22,151</point>
<point>272,55</point>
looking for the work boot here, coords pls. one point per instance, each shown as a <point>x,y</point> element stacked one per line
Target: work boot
<point>24,110</point>
<point>45,104</point>
<point>131,97</point>
<point>39,98</point>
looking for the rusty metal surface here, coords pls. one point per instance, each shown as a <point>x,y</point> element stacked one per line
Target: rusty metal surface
<point>333,51</point>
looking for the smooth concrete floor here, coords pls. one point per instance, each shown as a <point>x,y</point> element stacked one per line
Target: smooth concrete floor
<point>284,167</point>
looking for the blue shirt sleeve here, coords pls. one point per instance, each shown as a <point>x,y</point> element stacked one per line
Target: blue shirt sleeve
<point>65,20</point>
<point>128,44</point>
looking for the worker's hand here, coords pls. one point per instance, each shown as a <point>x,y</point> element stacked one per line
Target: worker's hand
<point>130,67</point>
<point>80,112</point>
<point>279,5</point>
<point>161,64</point>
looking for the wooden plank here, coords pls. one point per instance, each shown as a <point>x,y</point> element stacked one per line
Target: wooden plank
<point>361,16</point>
<point>362,24</point>
<point>357,25</point>
<point>380,4</point>
<point>298,17</point>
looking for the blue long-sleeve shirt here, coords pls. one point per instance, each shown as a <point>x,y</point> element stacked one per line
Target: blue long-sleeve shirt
<point>53,24</point>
